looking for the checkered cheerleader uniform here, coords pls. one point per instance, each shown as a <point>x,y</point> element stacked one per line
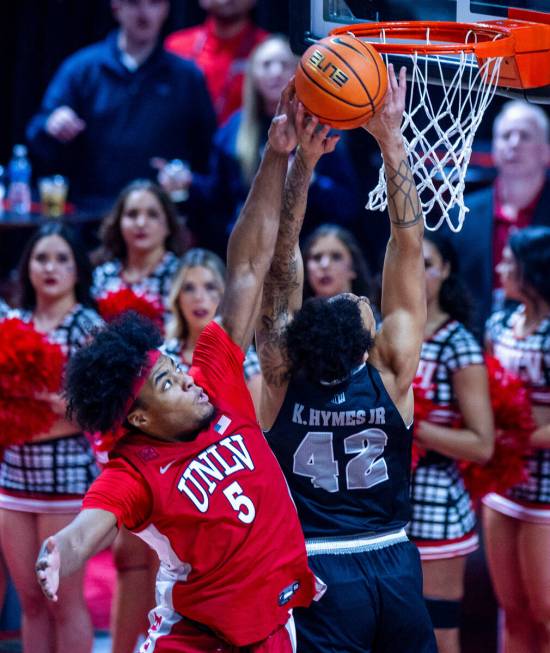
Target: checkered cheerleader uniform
<point>51,476</point>
<point>529,358</point>
<point>443,519</point>
<point>109,277</point>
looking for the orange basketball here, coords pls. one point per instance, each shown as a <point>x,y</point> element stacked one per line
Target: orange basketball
<point>341,80</point>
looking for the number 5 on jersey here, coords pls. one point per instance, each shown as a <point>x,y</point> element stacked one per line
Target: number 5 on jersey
<point>240,501</point>
<point>314,458</point>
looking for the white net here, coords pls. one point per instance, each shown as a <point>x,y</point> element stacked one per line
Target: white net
<point>439,138</point>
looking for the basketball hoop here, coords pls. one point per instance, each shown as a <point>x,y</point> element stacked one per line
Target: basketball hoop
<point>439,139</point>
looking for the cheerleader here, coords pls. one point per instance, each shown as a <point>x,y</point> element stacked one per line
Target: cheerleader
<point>141,241</point>
<point>517,523</point>
<point>194,300</point>
<point>43,481</point>
<point>453,376</point>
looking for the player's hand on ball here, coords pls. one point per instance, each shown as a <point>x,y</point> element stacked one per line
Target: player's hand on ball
<point>313,138</point>
<point>282,131</point>
<point>386,123</point>
<point>47,568</point>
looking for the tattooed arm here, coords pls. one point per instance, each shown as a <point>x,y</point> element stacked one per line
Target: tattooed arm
<point>252,241</point>
<point>283,285</point>
<point>398,344</point>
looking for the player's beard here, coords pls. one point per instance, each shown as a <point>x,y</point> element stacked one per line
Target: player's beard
<point>202,425</point>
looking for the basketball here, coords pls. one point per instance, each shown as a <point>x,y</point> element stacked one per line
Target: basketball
<point>341,80</point>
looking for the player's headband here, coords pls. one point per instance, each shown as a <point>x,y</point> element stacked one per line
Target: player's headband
<point>152,357</point>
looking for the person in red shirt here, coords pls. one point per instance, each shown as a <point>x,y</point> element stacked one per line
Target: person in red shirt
<point>220,47</point>
<point>193,475</point>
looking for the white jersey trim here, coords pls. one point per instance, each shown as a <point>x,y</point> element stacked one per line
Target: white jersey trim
<point>354,545</point>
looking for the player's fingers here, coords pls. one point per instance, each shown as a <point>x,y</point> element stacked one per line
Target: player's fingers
<point>288,92</point>
<point>331,143</point>
<point>311,125</point>
<point>322,133</point>
<point>402,81</point>
<point>301,117</point>
<point>280,119</point>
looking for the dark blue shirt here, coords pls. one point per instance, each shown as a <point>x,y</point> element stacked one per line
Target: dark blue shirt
<point>346,453</point>
<point>160,109</point>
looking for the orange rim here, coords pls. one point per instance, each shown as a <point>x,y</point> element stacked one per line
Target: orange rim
<point>492,40</point>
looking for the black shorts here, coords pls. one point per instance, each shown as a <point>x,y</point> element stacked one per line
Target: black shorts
<point>373,604</point>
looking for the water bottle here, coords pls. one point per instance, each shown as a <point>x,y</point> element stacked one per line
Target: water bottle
<point>19,191</point>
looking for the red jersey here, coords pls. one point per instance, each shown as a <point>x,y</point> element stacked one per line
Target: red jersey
<point>216,509</point>
<point>223,61</point>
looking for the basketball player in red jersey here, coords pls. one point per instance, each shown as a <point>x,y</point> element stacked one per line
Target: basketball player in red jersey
<point>193,475</point>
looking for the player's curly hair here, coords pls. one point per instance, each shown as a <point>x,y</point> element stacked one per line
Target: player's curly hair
<point>327,339</point>
<point>100,376</point>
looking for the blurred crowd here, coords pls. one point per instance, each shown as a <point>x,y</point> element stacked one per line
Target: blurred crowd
<point>163,138</point>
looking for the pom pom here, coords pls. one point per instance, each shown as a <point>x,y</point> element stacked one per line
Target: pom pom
<point>514,425</point>
<point>115,303</point>
<point>29,365</point>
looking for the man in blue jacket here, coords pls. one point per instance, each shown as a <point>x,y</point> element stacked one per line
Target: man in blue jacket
<point>116,104</point>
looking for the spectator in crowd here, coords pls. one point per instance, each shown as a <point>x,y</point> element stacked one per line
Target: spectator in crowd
<point>333,195</point>
<point>517,523</point>
<point>195,297</point>
<point>115,105</point>
<point>335,264</point>
<point>220,47</point>
<point>453,376</point>
<point>141,241</point>
<point>520,196</point>
<point>43,480</point>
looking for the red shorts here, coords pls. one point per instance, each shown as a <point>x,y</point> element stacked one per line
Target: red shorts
<point>171,633</point>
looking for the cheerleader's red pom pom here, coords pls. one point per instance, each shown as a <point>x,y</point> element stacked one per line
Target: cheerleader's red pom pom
<point>120,301</point>
<point>513,427</point>
<point>29,365</point>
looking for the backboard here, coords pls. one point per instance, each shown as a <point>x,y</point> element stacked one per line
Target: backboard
<point>311,20</point>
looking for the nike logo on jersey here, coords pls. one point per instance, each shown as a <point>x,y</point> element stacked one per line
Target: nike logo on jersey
<point>165,468</point>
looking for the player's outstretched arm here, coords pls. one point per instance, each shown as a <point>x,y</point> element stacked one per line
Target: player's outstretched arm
<point>403,286</point>
<point>283,286</point>
<point>66,551</point>
<point>252,242</point>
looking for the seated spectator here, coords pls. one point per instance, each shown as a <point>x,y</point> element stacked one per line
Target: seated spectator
<point>220,47</point>
<point>334,264</point>
<point>238,145</point>
<point>116,104</point>
<point>520,196</point>
<point>141,241</point>
<point>196,294</point>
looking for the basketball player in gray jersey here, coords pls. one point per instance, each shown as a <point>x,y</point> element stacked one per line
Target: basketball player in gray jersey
<point>337,406</point>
